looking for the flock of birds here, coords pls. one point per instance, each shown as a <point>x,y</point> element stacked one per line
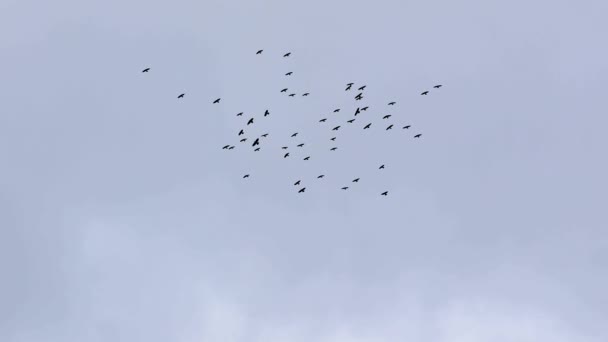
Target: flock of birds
<point>257,141</point>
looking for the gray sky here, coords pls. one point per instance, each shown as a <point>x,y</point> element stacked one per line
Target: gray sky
<point>121,219</point>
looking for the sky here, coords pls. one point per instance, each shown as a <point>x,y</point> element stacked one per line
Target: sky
<point>122,219</point>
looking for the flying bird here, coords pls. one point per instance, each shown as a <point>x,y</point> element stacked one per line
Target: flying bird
<point>438,86</point>
<point>265,135</point>
<point>333,148</point>
<point>289,73</point>
<point>389,127</point>
<point>286,155</point>
<point>364,108</point>
<point>285,147</point>
<point>283,90</point>
<point>333,139</point>
<point>321,176</point>
<point>296,183</point>
<point>231,147</point>
<point>259,52</point>
<point>417,135</point>
<point>302,190</point>
<point>305,94</point>
<point>345,188</point>
<point>391,103</point>
<point>307,158</point>
<point>246,176</point>
<point>266,113</point>
<point>367,126</point>
<point>322,120</point>
<point>356,180</point>
<point>217,101</point>
<point>257,149</point>
<point>362,87</point>
<point>241,132</point>
<point>244,139</point>
<point>358,111</point>
<point>250,121</point>
<point>287,54</point>
<point>386,116</point>
<point>300,145</point>
<point>292,95</point>
<point>384,193</point>
<point>146,70</point>
<point>407,127</point>
<point>336,128</point>
<point>181,96</point>
<point>293,135</point>
<point>351,121</point>
<point>336,110</point>
<point>348,86</point>
<point>424,92</point>
<point>225,147</point>
<point>240,114</point>
<point>381,167</point>
<point>359,95</point>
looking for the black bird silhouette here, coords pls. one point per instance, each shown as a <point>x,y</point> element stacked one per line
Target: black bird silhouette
<point>357,111</point>
<point>293,135</point>
<point>265,135</point>
<point>266,113</point>
<point>241,132</point>
<point>391,103</point>
<point>333,148</point>
<point>362,87</point>
<point>351,121</point>
<point>283,90</point>
<point>257,149</point>
<point>336,110</point>
<point>358,98</point>
<point>345,188</point>
<point>302,190</point>
<point>322,120</point>
<point>424,92</point>
<point>384,193</point>
<point>240,114</point>
<point>348,86</point>
<point>296,183</point>
<point>285,147</point>
<point>438,86</point>
<point>381,167</point>
<point>386,116</point>
<point>367,126</point>
<point>244,139</point>
<point>321,176</point>
<point>246,176</point>
<point>292,95</point>
<point>300,145</point>
<point>289,73</point>
<point>359,95</point>
<point>417,135</point>
<point>225,147</point>
<point>250,121</point>
<point>287,54</point>
<point>389,127</point>
<point>305,94</point>
<point>307,158</point>
<point>356,180</point>
<point>217,101</point>
<point>259,52</point>
<point>180,96</point>
<point>364,108</point>
<point>336,128</point>
<point>286,155</point>
<point>146,70</point>
<point>333,139</point>
<point>407,127</point>
<point>231,147</point>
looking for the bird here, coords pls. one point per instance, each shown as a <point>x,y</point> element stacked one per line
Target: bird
<point>293,135</point>
<point>384,193</point>
<point>241,132</point>
<point>286,155</point>
<point>307,158</point>
<point>250,121</point>
<point>287,54</point>
<point>333,148</point>
<point>244,139</point>
<point>296,183</point>
<point>292,95</point>
<point>320,176</point>
<point>302,190</point>
<point>283,90</point>
<point>259,52</point>
<point>257,149</point>
<point>391,103</point>
<point>424,92</point>
<point>246,176</point>
<point>438,86</point>
<point>146,70</point>
<point>407,127</point>
<point>381,167</point>
<point>358,98</point>
<point>180,96</point>
<point>359,95</point>
<point>345,188</point>
<point>217,101</point>
<point>357,111</point>
<point>367,126</point>
<point>364,108</point>
<point>386,116</point>
<point>305,94</point>
<point>356,180</point>
<point>240,114</point>
<point>336,128</point>
<point>322,120</point>
<point>389,127</point>
<point>231,147</point>
<point>266,113</point>
<point>348,86</point>
<point>289,73</point>
<point>225,147</point>
<point>300,145</point>
<point>265,135</point>
<point>333,139</point>
<point>351,121</point>
<point>336,110</point>
<point>285,147</point>
<point>362,87</point>
<point>417,135</point>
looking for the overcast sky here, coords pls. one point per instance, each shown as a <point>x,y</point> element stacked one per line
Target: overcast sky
<point>122,219</point>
